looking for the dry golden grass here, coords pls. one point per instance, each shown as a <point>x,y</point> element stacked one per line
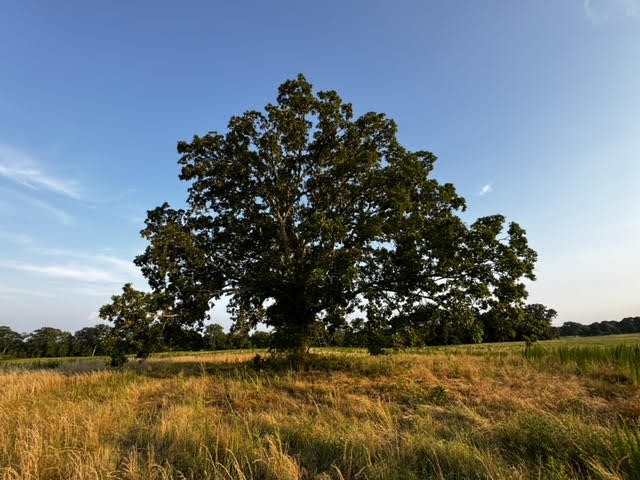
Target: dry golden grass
<point>341,416</point>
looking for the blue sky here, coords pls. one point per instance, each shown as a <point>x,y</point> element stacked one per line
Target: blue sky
<point>533,108</point>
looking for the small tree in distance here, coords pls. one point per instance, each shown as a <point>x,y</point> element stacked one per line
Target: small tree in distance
<point>305,213</point>
<point>536,324</point>
<point>135,327</point>
<point>11,343</point>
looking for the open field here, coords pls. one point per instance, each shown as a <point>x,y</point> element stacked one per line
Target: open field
<point>561,409</point>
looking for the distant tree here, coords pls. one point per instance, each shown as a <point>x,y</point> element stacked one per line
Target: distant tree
<point>536,323</point>
<point>340,336</point>
<point>376,335</point>
<point>48,342</point>
<point>215,337</point>
<point>430,325</point>
<point>239,338</point>
<point>531,323</point>
<point>136,324</point>
<point>173,336</point>
<point>304,213</point>
<point>501,324</point>
<point>11,343</point>
<point>90,341</point>
<point>606,327</point>
<point>630,325</point>
<point>260,339</point>
<point>572,329</point>
<point>350,334</point>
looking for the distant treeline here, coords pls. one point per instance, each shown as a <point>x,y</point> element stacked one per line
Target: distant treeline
<point>94,341</point>
<point>607,327</point>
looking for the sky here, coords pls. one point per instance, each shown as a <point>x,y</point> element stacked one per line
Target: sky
<point>532,107</point>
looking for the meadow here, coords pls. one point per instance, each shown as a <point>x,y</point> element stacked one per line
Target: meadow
<point>556,410</point>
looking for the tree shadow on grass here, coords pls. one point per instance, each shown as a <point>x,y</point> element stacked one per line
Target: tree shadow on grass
<point>267,364</point>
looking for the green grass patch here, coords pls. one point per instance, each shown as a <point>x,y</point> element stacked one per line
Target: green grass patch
<point>621,359</point>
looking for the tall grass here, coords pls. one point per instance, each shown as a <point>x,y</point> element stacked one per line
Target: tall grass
<point>622,359</point>
<point>449,414</point>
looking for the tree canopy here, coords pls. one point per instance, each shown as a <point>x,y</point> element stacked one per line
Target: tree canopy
<point>304,213</point>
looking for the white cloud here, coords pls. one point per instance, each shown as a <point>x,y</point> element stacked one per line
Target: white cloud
<point>82,273</point>
<point>20,168</point>
<point>600,11</point>
<point>488,188</point>
<point>95,272</point>
<point>125,267</point>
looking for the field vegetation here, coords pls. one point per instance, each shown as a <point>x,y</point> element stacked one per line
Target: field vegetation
<point>555,410</point>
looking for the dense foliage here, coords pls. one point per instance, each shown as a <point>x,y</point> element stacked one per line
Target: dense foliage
<point>53,342</point>
<point>305,216</point>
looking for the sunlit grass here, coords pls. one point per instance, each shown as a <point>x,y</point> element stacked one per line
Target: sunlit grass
<point>459,412</point>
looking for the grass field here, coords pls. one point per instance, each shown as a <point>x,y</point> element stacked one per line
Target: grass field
<point>561,409</point>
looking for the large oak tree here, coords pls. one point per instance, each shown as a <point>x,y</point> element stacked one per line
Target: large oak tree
<point>304,213</point>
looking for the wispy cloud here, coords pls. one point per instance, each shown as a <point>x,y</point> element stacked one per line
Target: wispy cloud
<point>94,272</point>
<point>600,11</point>
<point>56,213</point>
<point>20,168</point>
<point>82,273</point>
<point>487,188</point>
<point>122,266</point>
